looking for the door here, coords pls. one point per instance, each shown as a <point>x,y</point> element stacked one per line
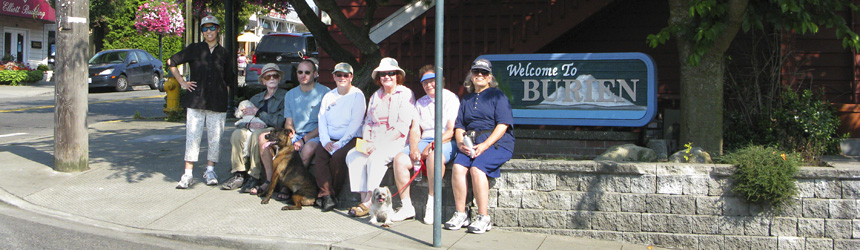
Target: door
<point>146,68</point>
<point>133,68</point>
<point>14,41</point>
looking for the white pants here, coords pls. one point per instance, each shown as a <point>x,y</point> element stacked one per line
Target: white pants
<point>194,122</point>
<point>366,171</point>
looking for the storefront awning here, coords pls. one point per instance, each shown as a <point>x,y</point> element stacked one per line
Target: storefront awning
<point>36,9</point>
<point>248,37</point>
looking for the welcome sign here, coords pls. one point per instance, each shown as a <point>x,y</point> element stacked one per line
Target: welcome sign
<point>591,89</point>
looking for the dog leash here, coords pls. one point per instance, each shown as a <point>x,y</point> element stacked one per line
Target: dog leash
<point>414,175</point>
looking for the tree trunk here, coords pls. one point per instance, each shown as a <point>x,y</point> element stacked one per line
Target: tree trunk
<point>71,145</point>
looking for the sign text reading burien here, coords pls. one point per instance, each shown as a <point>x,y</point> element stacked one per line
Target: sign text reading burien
<point>595,89</point>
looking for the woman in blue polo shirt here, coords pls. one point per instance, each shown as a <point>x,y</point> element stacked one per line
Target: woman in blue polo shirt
<point>486,113</point>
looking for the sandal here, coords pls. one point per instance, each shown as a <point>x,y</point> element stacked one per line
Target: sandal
<point>283,195</point>
<point>261,189</point>
<point>359,211</point>
<point>249,184</point>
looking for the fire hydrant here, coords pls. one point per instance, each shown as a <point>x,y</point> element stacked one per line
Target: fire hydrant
<point>172,89</point>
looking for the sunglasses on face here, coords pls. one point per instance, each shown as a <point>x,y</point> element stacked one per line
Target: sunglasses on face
<point>480,71</point>
<point>307,72</point>
<point>270,77</point>
<point>209,28</point>
<point>342,75</point>
<point>388,73</point>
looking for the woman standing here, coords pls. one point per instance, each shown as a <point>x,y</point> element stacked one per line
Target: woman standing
<point>340,118</point>
<point>389,114</point>
<point>485,111</point>
<point>212,75</point>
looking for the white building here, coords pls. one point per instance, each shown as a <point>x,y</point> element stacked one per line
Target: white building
<point>29,31</point>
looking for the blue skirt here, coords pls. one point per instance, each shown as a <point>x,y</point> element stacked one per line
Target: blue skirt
<point>489,161</point>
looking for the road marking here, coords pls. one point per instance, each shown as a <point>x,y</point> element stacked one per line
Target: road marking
<point>51,106</point>
<point>13,134</point>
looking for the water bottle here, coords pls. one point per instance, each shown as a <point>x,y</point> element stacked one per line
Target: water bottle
<point>467,140</point>
<point>417,167</point>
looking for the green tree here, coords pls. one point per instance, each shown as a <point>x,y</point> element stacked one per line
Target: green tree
<point>704,29</point>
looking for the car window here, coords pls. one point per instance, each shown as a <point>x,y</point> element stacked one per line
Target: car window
<point>109,57</point>
<point>312,44</point>
<point>132,57</point>
<point>280,43</point>
<point>142,56</point>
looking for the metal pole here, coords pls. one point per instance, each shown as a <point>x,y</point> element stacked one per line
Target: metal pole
<point>437,154</point>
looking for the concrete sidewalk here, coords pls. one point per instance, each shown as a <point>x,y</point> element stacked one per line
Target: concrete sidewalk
<point>135,165</point>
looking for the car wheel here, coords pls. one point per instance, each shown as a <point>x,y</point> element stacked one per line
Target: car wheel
<point>121,83</point>
<point>155,80</point>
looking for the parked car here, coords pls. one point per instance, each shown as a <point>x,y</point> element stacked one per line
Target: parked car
<point>124,68</point>
<point>284,49</point>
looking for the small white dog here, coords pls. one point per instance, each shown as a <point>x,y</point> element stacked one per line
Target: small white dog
<point>380,208</point>
<point>243,121</point>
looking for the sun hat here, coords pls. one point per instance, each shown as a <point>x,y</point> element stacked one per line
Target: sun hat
<point>271,67</point>
<point>387,64</point>
<point>342,67</point>
<point>209,19</point>
<point>482,63</point>
<point>430,75</point>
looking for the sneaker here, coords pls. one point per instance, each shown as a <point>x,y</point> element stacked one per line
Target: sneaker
<point>428,214</point>
<point>403,214</point>
<point>482,224</point>
<point>234,182</point>
<point>458,220</point>
<point>185,181</point>
<point>211,178</point>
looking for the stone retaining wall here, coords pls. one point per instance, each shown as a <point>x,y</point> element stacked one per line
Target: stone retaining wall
<point>684,206</point>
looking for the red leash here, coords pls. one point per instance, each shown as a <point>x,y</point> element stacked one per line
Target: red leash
<point>414,175</point>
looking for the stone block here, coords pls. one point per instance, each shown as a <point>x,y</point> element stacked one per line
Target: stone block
<point>710,242</point>
<point>850,189</point>
<point>843,209</point>
<point>855,231</point>
<point>671,184</point>
<point>580,220</point>
<point>698,185</point>
<point>492,198</point>
<point>658,203</point>
<point>709,205</point>
<point>629,222</point>
<point>555,219</point>
<point>663,223</point>
<point>757,226</point>
<point>819,244</point>
<point>790,243</point>
<point>544,181</point>
<point>568,181</point>
<point>583,201</point>
<point>591,183</point>
<point>504,217</point>
<point>673,240</point>
<point>819,188</point>
<point>813,228</point>
<point>606,221</point>
<point>815,208</point>
<point>783,226</point>
<point>735,206</point>
<point>643,184</point>
<point>608,202</point>
<point>530,218</point>
<point>720,186</point>
<point>846,244</point>
<point>837,229</point>
<point>763,242</point>
<point>515,180</point>
<point>633,203</point>
<point>511,198</point>
<point>718,225</point>
<point>531,199</point>
<point>682,204</point>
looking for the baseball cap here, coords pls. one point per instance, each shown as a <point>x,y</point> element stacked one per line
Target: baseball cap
<point>482,63</point>
<point>342,67</point>
<point>209,19</point>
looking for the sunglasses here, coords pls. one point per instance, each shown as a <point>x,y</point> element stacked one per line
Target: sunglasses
<point>480,71</point>
<point>210,28</point>
<point>388,73</point>
<point>342,75</point>
<point>303,72</point>
<point>270,77</point>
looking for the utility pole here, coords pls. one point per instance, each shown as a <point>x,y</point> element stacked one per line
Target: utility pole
<point>71,141</point>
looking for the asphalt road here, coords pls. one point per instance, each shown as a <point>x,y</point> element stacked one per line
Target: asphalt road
<point>33,116</point>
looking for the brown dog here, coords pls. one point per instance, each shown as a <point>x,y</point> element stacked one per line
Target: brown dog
<point>290,172</point>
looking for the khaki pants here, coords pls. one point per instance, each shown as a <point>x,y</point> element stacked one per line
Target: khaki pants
<point>253,164</point>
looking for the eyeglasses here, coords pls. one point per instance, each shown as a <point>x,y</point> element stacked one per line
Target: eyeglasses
<point>342,75</point>
<point>209,28</point>
<point>303,72</point>
<point>388,73</point>
<point>480,71</point>
<point>426,83</point>
<point>269,77</point>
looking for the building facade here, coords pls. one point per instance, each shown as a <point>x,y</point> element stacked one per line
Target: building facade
<point>29,32</point>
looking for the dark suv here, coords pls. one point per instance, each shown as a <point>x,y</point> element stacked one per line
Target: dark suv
<point>284,49</point>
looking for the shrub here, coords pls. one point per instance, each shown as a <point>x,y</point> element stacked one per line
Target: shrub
<point>42,67</point>
<point>807,125</point>
<point>34,76</point>
<point>764,175</point>
<point>13,77</point>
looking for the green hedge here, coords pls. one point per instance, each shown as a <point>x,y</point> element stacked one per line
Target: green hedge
<point>13,77</point>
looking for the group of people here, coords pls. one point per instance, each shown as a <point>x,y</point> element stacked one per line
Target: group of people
<point>390,128</point>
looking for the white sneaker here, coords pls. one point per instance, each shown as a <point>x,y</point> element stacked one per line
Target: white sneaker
<point>185,181</point>
<point>403,214</point>
<point>482,224</point>
<point>211,178</point>
<point>428,214</point>
<point>458,220</point>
